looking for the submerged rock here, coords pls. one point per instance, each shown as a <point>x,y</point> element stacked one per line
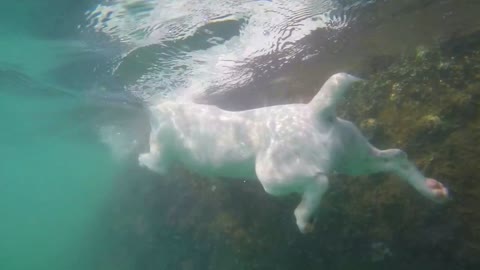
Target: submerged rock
<point>427,104</point>
<point>435,116</point>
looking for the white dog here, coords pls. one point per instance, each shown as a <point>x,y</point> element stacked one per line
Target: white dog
<point>288,148</point>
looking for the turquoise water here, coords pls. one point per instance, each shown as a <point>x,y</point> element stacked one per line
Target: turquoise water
<point>54,177</point>
<point>47,202</point>
<point>75,75</point>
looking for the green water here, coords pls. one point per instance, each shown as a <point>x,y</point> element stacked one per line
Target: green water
<point>47,203</point>
<point>68,202</point>
<point>53,181</point>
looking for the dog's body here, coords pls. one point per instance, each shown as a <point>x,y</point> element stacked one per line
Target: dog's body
<point>288,148</point>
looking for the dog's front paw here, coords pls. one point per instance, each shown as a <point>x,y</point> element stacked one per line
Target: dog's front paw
<point>151,162</point>
<point>145,160</point>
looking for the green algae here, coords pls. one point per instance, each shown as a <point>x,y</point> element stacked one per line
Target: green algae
<point>425,103</point>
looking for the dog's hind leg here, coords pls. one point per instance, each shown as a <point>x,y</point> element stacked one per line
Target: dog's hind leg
<point>395,160</point>
<point>281,176</point>
<point>312,195</point>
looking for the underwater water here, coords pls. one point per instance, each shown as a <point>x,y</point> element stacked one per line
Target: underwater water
<point>76,78</point>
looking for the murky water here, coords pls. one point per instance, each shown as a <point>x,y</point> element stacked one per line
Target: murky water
<point>75,77</point>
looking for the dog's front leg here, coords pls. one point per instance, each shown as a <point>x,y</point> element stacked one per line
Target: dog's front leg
<point>312,195</point>
<point>155,160</point>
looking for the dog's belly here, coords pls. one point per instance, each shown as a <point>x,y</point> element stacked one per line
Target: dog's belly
<point>214,156</point>
<point>213,142</point>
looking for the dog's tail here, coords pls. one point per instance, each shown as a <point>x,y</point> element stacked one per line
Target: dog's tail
<point>325,101</point>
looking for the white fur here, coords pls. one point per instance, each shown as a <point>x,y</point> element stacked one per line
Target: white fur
<point>288,148</point>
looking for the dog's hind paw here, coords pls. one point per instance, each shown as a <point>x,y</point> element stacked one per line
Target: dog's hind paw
<point>308,228</point>
<point>305,227</point>
<point>439,191</point>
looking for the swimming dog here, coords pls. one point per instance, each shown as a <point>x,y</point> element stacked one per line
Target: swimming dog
<point>289,148</point>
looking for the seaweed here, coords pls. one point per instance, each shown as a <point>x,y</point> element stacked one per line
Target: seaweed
<point>426,103</point>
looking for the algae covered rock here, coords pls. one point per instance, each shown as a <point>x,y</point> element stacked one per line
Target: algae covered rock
<point>427,103</point>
